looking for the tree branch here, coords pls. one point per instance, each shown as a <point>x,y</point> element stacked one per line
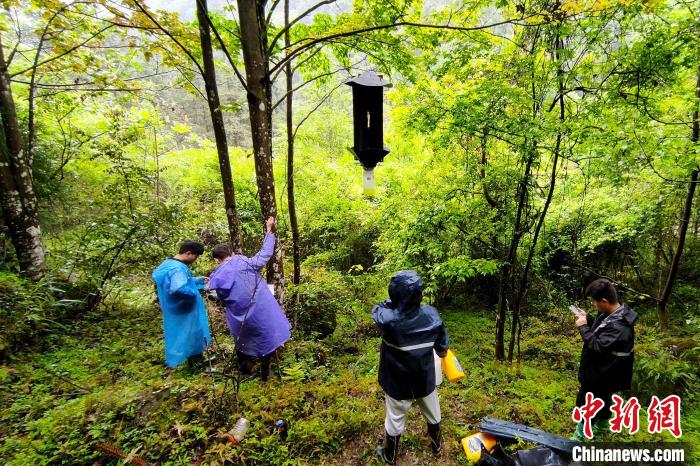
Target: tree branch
<point>330,73</point>
<point>272,9</point>
<point>294,21</point>
<point>48,60</point>
<point>71,85</point>
<point>226,52</point>
<point>318,105</point>
<point>656,172</point>
<point>396,25</point>
<point>167,33</point>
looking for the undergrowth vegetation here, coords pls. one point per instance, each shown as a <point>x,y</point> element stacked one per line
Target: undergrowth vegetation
<point>101,383</point>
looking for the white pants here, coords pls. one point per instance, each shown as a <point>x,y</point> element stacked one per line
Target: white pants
<point>396,411</point>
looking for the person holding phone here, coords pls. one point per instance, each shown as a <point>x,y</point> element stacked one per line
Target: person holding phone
<point>607,356</point>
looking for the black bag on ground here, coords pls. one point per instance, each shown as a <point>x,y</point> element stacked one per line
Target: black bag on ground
<point>540,456</point>
<point>497,457</point>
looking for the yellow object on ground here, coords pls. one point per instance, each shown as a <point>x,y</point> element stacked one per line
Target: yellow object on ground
<point>453,371</point>
<point>473,443</point>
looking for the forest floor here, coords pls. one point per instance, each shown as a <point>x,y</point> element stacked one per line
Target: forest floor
<point>103,385</point>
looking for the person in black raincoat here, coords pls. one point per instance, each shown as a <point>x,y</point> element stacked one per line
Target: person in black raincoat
<point>607,356</point>
<point>410,331</point>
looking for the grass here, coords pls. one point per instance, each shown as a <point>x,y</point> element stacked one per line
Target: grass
<point>103,383</point>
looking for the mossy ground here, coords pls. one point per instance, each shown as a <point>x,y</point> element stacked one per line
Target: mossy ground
<point>104,382</point>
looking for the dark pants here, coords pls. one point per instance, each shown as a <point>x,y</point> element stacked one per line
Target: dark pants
<point>245,364</point>
<point>605,413</point>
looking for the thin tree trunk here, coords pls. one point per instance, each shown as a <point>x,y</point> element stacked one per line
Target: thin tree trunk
<point>687,211</point>
<point>31,130</point>
<point>482,170</point>
<point>290,157</point>
<point>673,271</point>
<point>253,31</point>
<point>525,278</point>
<point>508,268</point>
<point>157,160</point>
<point>17,196</point>
<point>217,121</point>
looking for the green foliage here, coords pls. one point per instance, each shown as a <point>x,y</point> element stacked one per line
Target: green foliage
<point>30,310</point>
<point>474,125</point>
<point>317,301</point>
<point>666,366</point>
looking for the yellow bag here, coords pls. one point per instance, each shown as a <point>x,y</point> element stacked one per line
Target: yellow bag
<point>453,371</point>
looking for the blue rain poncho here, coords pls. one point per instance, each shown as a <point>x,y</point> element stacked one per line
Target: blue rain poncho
<point>185,322</point>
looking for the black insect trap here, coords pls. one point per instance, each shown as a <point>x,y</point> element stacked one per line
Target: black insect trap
<point>368,121</point>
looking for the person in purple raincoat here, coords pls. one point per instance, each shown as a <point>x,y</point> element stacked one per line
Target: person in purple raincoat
<point>254,317</point>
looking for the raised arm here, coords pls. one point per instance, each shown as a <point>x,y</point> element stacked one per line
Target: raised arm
<point>263,256</point>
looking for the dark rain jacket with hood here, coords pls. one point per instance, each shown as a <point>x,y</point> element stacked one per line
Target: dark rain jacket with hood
<point>409,330</point>
<point>608,351</point>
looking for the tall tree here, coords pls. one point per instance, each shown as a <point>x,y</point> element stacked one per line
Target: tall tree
<point>217,120</point>
<point>290,155</point>
<point>253,27</point>
<point>685,219</point>
<point>19,204</point>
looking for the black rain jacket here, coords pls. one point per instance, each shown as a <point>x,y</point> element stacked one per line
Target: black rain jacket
<point>409,330</point>
<point>608,351</point>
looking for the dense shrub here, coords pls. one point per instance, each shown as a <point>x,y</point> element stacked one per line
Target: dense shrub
<point>666,366</point>
<point>314,305</point>
<point>29,310</point>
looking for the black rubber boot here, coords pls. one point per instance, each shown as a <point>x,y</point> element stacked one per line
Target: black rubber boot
<point>435,437</point>
<point>265,368</point>
<point>244,363</point>
<point>389,451</point>
<point>195,363</point>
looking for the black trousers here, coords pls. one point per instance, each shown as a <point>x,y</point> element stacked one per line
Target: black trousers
<point>605,413</point>
<point>245,364</point>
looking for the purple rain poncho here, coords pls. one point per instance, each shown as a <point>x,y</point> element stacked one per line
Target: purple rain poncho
<point>185,322</point>
<point>254,317</point>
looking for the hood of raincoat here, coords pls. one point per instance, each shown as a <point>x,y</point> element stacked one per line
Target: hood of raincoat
<point>406,290</point>
<point>629,315</point>
<point>410,332</point>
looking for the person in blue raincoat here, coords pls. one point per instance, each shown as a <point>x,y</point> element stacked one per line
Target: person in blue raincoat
<point>410,332</point>
<point>185,322</point>
<point>255,319</point>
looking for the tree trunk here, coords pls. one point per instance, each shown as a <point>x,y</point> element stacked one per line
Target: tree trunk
<point>508,268</point>
<point>687,211</point>
<point>673,271</point>
<point>253,31</point>
<point>157,160</point>
<point>17,196</point>
<point>290,157</point>
<point>217,121</point>
<point>525,278</point>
